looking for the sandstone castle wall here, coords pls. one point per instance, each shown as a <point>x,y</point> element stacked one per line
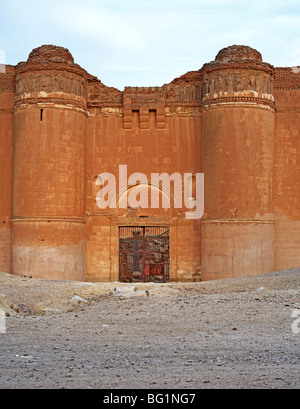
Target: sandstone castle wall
<point>237,120</point>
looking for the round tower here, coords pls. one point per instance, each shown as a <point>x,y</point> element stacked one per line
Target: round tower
<point>238,119</point>
<point>49,166</point>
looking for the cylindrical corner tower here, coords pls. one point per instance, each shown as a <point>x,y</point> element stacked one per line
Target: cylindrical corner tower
<point>49,166</point>
<point>238,120</point>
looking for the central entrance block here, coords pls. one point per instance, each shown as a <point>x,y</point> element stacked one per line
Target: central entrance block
<point>144,254</point>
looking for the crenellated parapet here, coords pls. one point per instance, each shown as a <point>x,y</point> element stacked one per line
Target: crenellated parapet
<point>143,100</point>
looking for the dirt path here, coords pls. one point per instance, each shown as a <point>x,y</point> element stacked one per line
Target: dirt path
<point>222,334</point>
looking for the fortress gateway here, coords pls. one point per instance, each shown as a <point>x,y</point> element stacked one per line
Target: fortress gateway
<point>236,120</point>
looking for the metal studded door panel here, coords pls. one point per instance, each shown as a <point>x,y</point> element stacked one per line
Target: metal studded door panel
<point>144,254</point>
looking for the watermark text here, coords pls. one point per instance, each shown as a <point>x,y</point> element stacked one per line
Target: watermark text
<point>2,322</point>
<point>180,191</point>
<point>2,62</point>
<point>296,322</point>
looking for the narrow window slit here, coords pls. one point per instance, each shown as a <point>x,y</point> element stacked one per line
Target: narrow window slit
<point>42,111</point>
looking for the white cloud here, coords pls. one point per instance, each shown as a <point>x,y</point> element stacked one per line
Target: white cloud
<point>2,57</point>
<point>296,57</point>
<point>103,25</point>
<point>137,42</point>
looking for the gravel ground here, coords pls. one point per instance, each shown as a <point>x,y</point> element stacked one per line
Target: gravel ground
<point>234,333</point>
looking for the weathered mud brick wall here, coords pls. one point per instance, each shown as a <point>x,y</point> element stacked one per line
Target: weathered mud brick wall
<point>238,158</point>
<point>287,168</point>
<point>49,166</point>
<point>236,120</point>
<point>7,92</point>
<point>150,130</point>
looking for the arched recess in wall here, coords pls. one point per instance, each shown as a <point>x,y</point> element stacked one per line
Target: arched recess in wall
<point>148,198</point>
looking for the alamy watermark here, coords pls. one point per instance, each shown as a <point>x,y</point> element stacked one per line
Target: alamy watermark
<point>296,322</point>
<point>133,191</point>
<point>2,322</point>
<point>2,62</point>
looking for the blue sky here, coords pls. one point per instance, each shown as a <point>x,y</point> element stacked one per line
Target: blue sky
<point>149,43</point>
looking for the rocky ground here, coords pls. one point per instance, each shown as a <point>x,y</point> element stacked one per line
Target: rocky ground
<point>236,333</point>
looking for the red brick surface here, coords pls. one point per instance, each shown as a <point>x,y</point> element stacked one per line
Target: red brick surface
<point>236,119</point>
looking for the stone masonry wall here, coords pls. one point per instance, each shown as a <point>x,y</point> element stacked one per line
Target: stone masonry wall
<point>236,119</point>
